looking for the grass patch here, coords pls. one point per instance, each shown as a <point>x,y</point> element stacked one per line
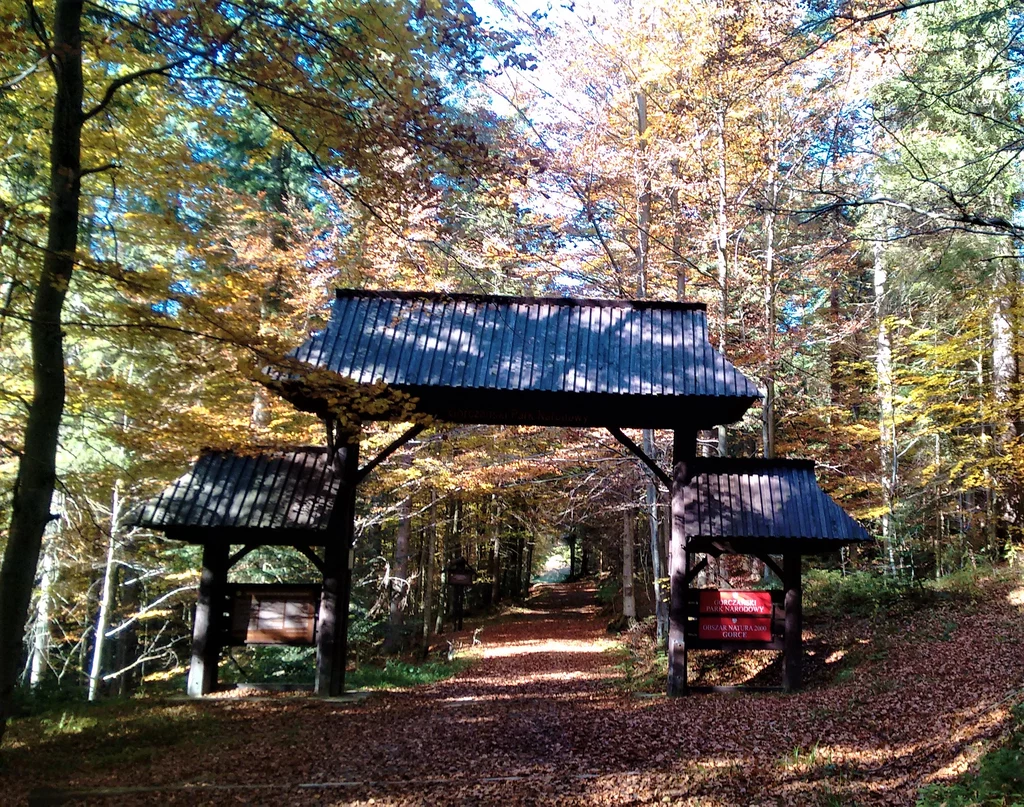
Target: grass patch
<point>400,674</point>
<point>109,734</point>
<point>998,779</point>
<point>280,665</point>
<point>832,595</point>
<point>640,659</point>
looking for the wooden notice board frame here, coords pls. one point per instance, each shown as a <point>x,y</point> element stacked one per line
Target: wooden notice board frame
<point>777,618</point>
<point>273,614</point>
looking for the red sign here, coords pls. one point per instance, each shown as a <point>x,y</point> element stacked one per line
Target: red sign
<point>747,603</point>
<point>735,629</point>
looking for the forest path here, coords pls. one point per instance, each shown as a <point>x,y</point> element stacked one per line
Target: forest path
<point>540,719</point>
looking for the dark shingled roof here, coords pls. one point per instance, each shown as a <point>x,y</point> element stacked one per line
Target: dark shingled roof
<point>292,489</point>
<point>751,502</point>
<point>496,359</point>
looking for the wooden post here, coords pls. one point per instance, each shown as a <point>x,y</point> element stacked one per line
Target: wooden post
<point>332,632</point>
<point>793,641</point>
<point>684,449</point>
<point>208,627</point>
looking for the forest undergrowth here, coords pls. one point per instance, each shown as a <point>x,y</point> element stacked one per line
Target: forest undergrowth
<point>915,701</point>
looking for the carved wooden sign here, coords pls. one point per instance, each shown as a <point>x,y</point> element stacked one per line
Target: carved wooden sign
<point>736,603</point>
<point>735,616</point>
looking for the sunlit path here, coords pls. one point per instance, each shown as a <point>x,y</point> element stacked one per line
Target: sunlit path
<point>540,717</point>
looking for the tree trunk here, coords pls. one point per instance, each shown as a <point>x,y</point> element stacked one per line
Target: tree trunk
<point>41,621</point>
<point>768,405</point>
<point>428,571</point>
<point>1004,382</point>
<point>643,216</point>
<point>443,589</point>
<point>33,487</point>
<point>721,254</point>
<point>106,598</point>
<point>886,407</point>
<point>628,540</point>
<point>651,500</point>
<point>127,652</point>
<point>400,574</point>
<point>677,234</point>
<point>528,582</point>
<point>496,565</point>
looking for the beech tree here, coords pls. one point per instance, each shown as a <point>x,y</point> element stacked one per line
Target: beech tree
<point>311,71</point>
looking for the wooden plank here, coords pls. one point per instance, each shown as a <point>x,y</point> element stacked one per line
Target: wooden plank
<point>767,561</point>
<point>311,556</point>
<point>332,638</point>
<point>694,642</point>
<point>208,626</point>
<point>387,451</point>
<point>684,449</point>
<point>241,553</point>
<point>793,655</point>
<point>655,469</point>
<point>692,573</point>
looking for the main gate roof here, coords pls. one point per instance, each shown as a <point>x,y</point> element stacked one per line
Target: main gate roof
<point>521,360</point>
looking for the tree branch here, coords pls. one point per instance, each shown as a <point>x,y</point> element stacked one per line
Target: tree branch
<point>125,80</point>
<point>11,83</point>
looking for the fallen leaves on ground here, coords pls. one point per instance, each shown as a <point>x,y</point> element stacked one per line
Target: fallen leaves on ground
<point>541,719</point>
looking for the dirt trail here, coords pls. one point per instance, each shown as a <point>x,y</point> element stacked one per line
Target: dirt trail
<point>540,719</point>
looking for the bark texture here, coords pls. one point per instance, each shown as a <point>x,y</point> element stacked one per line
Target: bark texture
<point>33,488</point>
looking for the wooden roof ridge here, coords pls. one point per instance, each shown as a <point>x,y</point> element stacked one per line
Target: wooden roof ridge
<point>750,464</point>
<point>513,299</point>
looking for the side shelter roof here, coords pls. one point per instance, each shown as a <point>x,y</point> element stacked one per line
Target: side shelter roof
<point>763,505</point>
<point>281,490</point>
<point>520,360</point>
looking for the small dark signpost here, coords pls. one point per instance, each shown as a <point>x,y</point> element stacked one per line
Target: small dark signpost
<point>460,577</point>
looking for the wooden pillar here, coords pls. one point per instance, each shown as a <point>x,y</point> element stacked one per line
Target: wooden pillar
<point>332,631</point>
<point>208,626</point>
<point>684,449</point>
<point>793,652</point>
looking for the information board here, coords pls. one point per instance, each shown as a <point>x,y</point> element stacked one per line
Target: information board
<point>736,603</point>
<point>272,615</point>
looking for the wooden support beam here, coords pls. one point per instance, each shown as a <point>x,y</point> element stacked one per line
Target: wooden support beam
<point>387,451</point>
<point>684,449</point>
<point>208,626</point>
<point>332,635</point>
<point>694,571</point>
<point>241,553</point>
<point>792,659</point>
<point>640,454</point>
<point>771,564</point>
<point>310,555</point>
